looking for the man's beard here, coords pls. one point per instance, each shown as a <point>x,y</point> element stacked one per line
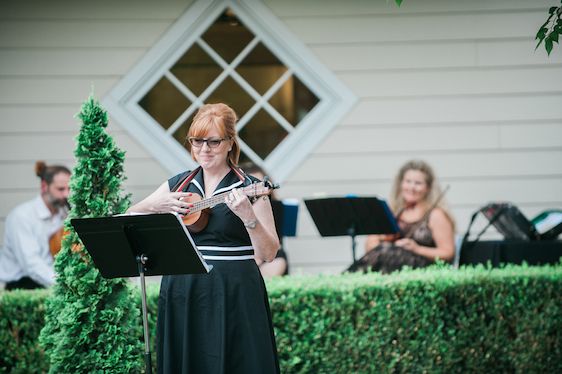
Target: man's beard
<point>58,203</point>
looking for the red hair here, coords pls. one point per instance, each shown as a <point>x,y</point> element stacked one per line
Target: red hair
<point>218,117</point>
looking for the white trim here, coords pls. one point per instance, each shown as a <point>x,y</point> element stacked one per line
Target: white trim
<point>214,248</point>
<point>229,258</point>
<point>199,187</point>
<point>232,186</point>
<point>335,100</point>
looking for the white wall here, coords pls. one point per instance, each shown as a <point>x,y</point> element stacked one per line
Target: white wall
<point>52,55</point>
<point>457,83</point>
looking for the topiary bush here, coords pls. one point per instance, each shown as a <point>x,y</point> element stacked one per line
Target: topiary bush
<point>90,322</point>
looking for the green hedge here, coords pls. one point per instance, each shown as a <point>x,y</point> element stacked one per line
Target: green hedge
<point>429,320</point>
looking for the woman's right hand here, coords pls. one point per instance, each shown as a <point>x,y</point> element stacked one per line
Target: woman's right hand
<point>164,201</point>
<point>172,202</point>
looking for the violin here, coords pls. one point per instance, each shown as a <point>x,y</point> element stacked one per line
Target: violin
<point>198,217</point>
<point>55,241</point>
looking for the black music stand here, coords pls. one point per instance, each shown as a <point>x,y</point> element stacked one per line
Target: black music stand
<point>285,216</point>
<point>339,216</point>
<point>139,245</point>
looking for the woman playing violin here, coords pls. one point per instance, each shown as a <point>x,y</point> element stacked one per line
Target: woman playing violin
<point>221,321</point>
<point>427,228</point>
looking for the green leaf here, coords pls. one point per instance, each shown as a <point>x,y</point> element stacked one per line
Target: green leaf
<point>554,36</point>
<point>548,45</point>
<point>552,10</point>
<point>398,2</point>
<point>541,33</point>
<point>538,44</point>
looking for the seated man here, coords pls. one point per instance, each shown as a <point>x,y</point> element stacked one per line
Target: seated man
<point>26,260</point>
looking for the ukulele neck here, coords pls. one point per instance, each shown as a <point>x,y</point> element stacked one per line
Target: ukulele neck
<point>252,190</point>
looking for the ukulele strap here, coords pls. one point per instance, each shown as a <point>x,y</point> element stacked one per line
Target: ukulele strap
<point>180,185</point>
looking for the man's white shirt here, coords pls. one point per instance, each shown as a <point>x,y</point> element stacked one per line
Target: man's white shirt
<point>26,242</point>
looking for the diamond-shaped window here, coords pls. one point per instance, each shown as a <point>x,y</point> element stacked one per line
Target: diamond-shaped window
<point>236,52</point>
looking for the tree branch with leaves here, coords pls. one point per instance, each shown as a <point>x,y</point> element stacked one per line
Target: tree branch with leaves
<point>550,31</point>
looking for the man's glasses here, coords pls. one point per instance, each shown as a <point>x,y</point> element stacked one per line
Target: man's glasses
<point>211,143</point>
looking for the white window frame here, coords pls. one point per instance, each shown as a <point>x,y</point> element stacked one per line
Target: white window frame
<point>335,99</point>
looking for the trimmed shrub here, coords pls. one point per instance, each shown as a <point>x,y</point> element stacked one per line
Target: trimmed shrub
<point>427,320</point>
<point>89,320</point>
<point>22,315</point>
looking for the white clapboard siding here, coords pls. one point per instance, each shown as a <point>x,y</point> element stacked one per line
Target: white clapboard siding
<point>64,62</point>
<point>346,139</point>
<point>405,28</point>
<point>320,8</point>
<point>444,109</point>
<point>38,119</point>
<point>529,135</point>
<point>141,173</point>
<point>476,101</point>
<point>461,191</point>
<point>47,91</point>
<point>457,83</point>
<point>454,164</point>
<point>17,147</point>
<point>429,55</point>
<point>80,33</point>
<point>98,10</point>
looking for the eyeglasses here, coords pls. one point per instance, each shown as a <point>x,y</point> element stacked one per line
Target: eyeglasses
<point>211,143</point>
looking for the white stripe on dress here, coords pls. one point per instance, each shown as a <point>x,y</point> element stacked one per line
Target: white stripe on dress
<point>247,257</point>
<point>212,248</point>
<point>196,184</point>
<point>227,188</point>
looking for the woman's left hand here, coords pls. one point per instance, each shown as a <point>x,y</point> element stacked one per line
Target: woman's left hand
<point>240,205</point>
<point>408,244</point>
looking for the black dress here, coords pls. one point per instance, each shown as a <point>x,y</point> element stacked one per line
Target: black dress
<point>218,322</point>
<point>388,257</point>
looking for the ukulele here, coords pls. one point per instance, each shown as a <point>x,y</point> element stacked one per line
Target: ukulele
<point>198,217</point>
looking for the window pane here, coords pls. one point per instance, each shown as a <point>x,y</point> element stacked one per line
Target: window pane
<point>164,102</point>
<point>262,133</point>
<point>181,133</point>
<point>196,69</point>
<point>228,36</point>
<point>293,100</point>
<point>230,92</point>
<point>261,68</point>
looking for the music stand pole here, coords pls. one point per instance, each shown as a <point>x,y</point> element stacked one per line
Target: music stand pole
<point>141,261</point>
<point>351,232</point>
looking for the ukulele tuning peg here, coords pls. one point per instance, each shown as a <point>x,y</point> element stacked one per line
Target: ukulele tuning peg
<point>269,184</point>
